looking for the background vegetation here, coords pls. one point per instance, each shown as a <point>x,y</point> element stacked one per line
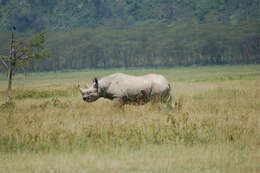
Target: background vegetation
<point>215,126</point>
<point>126,33</point>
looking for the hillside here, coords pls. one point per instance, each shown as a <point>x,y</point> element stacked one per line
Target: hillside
<point>122,33</point>
<point>66,15</point>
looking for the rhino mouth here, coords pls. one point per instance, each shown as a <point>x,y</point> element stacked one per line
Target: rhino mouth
<point>89,99</point>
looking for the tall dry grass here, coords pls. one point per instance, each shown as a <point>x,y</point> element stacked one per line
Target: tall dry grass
<point>214,111</point>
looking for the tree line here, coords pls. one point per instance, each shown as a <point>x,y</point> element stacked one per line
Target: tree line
<point>150,45</point>
<point>133,33</point>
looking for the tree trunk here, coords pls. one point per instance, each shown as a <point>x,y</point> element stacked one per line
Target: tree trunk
<point>11,71</point>
<point>10,78</point>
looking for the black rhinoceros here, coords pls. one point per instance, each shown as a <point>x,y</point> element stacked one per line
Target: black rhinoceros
<point>127,89</point>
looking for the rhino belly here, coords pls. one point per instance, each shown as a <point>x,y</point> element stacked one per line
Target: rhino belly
<point>130,94</point>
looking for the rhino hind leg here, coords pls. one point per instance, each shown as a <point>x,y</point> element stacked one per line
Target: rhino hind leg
<point>145,97</point>
<point>166,99</point>
<point>169,102</point>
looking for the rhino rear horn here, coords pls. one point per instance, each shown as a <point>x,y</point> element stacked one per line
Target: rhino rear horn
<point>87,86</point>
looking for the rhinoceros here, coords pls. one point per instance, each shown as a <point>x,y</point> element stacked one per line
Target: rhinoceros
<point>127,89</point>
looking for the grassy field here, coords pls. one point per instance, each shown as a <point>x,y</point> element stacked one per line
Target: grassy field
<point>214,127</point>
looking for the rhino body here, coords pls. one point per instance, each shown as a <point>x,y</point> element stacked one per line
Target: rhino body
<point>129,89</point>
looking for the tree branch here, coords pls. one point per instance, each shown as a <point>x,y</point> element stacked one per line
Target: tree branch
<point>3,62</point>
<point>23,57</point>
<point>20,56</point>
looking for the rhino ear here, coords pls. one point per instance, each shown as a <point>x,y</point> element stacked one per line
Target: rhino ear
<point>95,82</point>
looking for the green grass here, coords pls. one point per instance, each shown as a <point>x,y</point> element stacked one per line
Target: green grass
<point>214,127</point>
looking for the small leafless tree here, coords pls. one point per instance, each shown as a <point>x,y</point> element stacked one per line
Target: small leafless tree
<point>21,53</point>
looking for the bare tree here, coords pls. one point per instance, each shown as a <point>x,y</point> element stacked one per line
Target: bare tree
<point>22,52</point>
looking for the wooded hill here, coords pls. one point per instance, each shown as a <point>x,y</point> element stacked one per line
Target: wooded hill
<point>125,33</point>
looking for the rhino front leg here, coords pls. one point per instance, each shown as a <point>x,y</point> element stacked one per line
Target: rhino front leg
<point>118,102</point>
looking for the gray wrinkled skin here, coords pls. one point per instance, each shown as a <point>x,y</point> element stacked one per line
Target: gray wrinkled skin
<point>129,89</point>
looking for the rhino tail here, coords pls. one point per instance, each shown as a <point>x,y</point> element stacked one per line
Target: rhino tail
<point>169,88</point>
<point>170,99</point>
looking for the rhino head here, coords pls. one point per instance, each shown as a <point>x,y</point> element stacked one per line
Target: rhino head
<point>90,93</point>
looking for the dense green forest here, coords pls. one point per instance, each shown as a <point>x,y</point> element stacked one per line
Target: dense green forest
<point>128,33</point>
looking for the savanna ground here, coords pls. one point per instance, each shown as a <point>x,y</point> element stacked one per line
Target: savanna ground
<point>214,127</point>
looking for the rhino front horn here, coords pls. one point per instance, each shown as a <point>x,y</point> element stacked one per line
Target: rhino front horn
<point>80,89</point>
